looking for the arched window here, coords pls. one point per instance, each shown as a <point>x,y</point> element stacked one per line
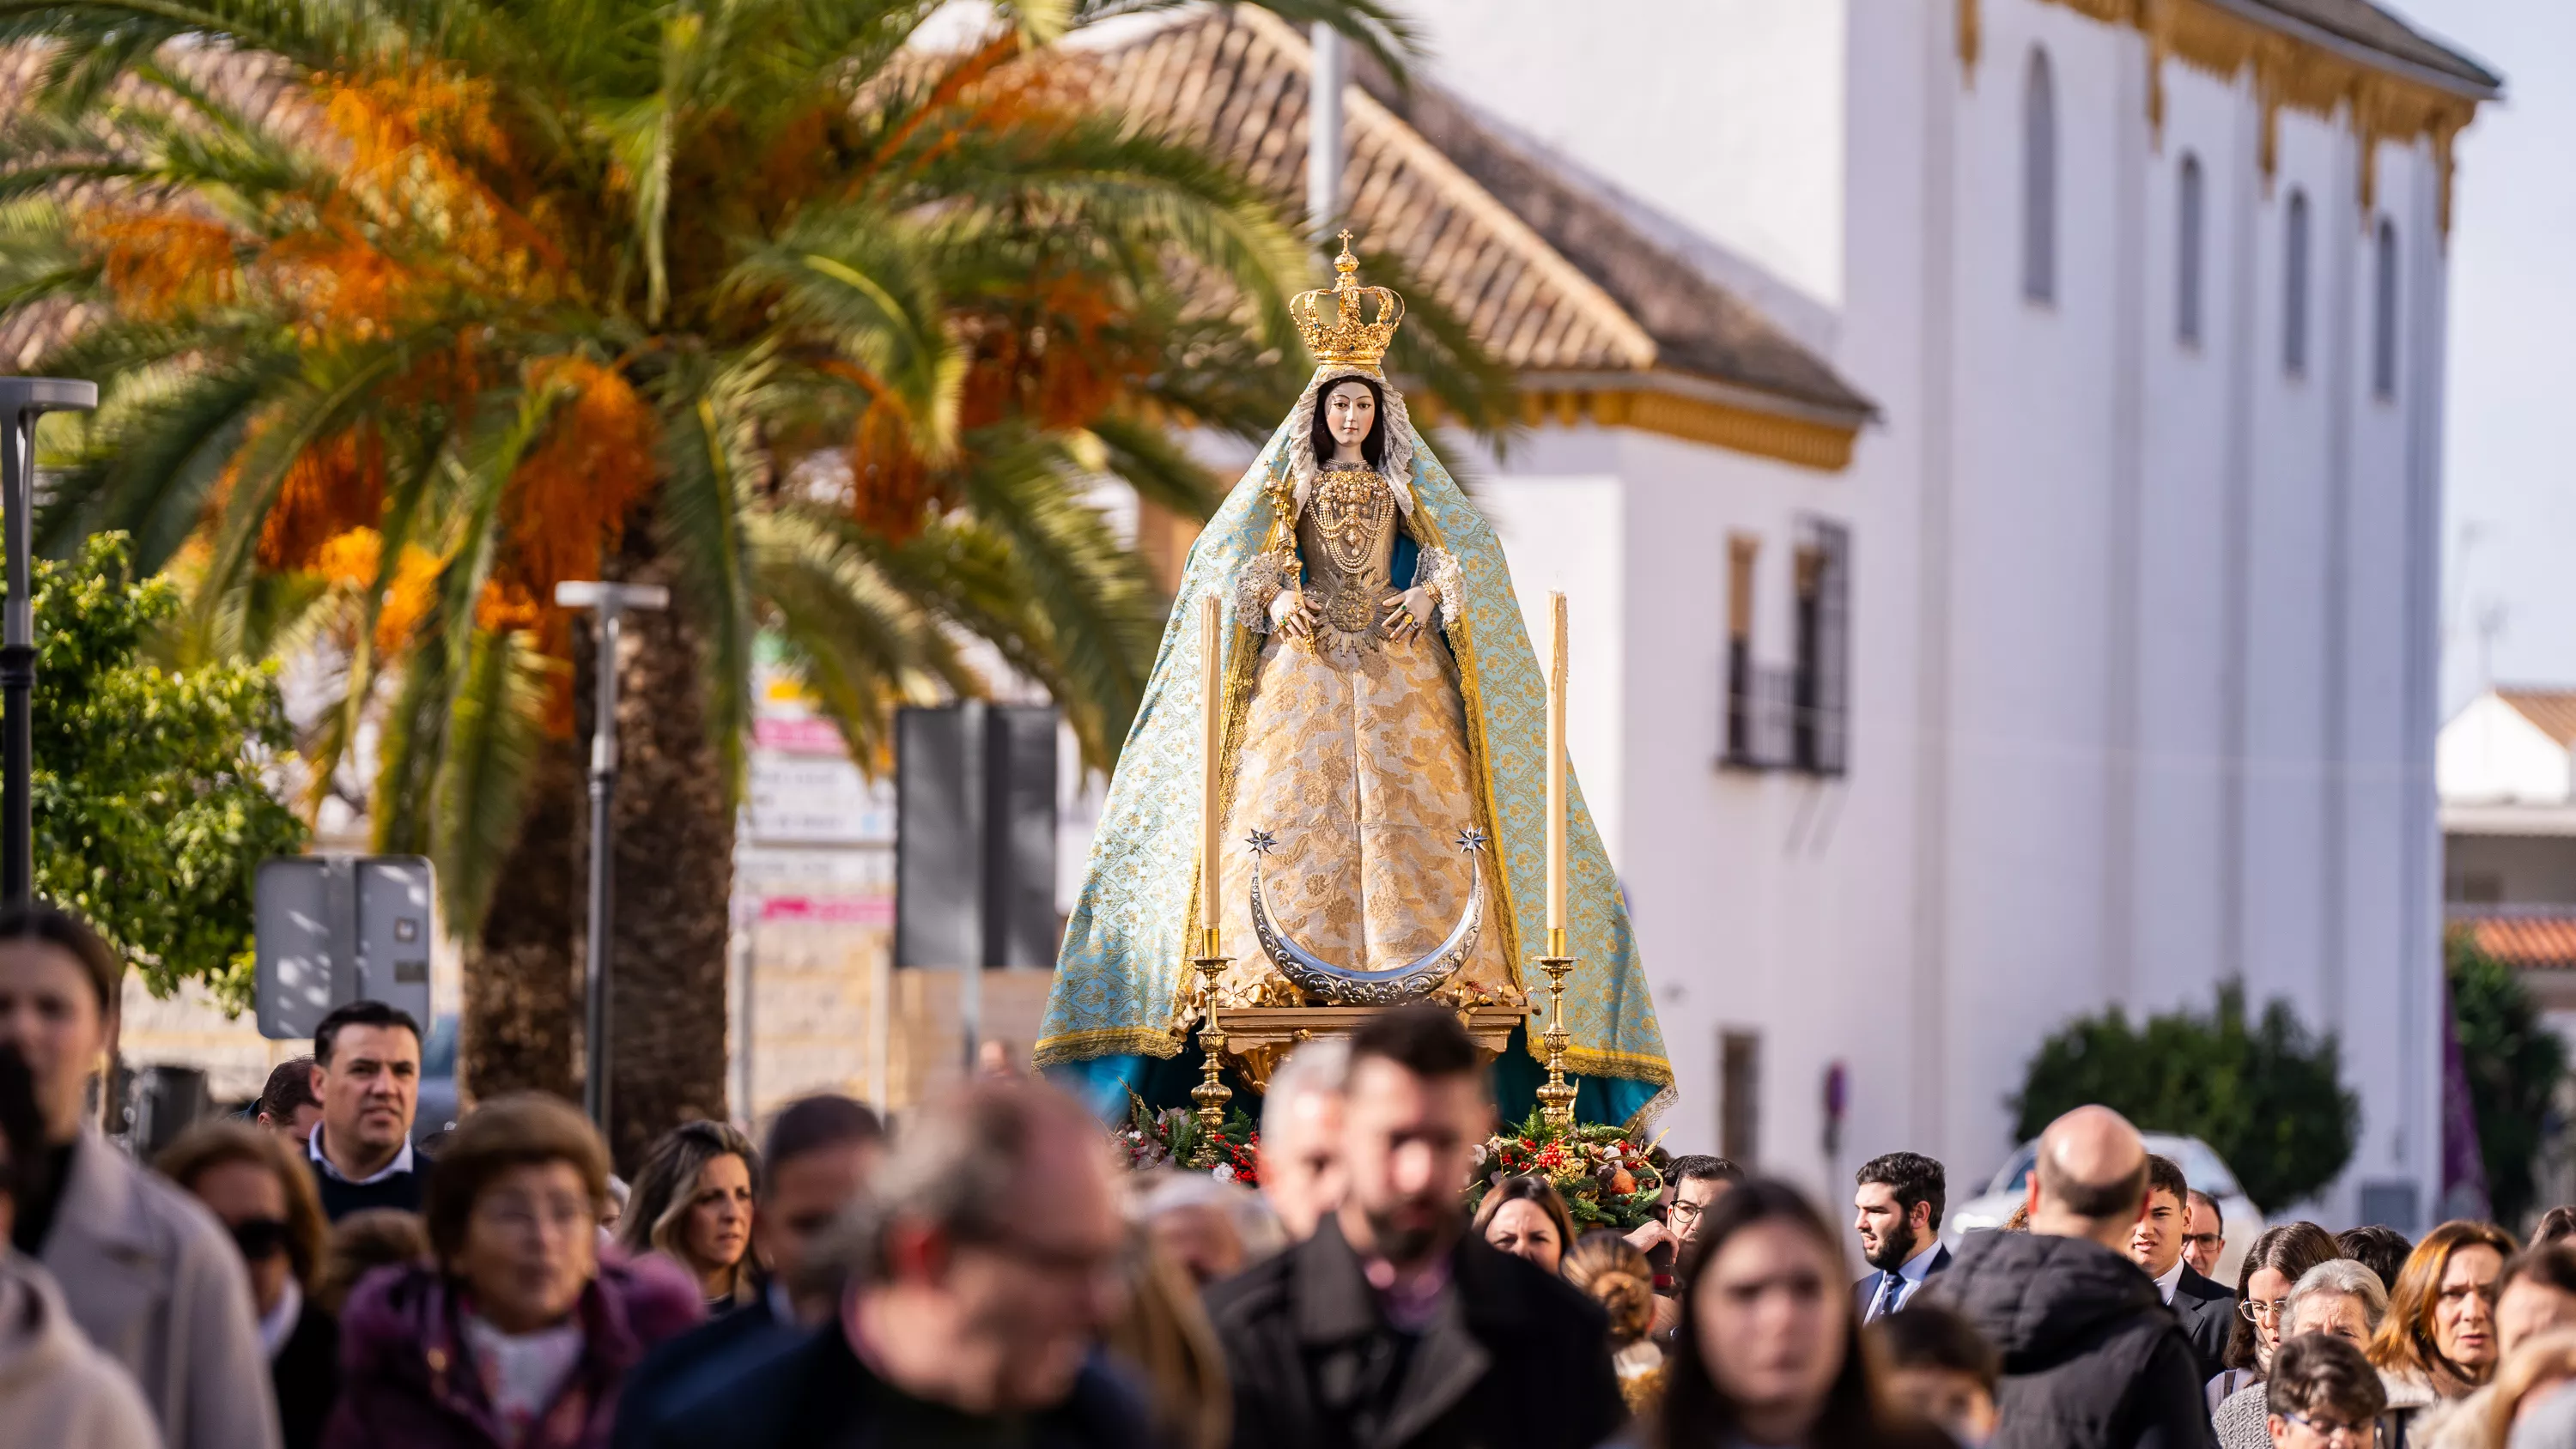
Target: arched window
<point>2039,182</point>
<point>2187,205</point>
<point>2294,287</point>
<point>2383,320</point>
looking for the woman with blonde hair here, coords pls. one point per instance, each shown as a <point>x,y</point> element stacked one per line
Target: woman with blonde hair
<point>2438,1342</point>
<point>1617,1276</point>
<point>692,1204</point>
<point>258,1187</point>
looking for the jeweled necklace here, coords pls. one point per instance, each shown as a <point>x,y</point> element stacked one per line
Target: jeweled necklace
<point>1352,509</point>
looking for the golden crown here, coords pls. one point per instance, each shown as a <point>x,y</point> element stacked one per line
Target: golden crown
<point>1342,337</point>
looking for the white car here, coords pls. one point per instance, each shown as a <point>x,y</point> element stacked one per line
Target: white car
<point>2200,1167</point>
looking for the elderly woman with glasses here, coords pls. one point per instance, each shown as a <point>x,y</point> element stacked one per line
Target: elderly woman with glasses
<point>2339,1298</point>
<point>520,1334</point>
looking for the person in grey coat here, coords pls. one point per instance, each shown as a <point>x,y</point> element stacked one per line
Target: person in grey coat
<point>146,1272</point>
<point>57,1391</point>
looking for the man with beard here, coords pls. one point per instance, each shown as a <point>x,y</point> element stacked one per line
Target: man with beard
<point>1392,1326</point>
<point>1899,1200</point>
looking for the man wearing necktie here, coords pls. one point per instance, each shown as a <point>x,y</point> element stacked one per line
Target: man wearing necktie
<point>1898,1201</point>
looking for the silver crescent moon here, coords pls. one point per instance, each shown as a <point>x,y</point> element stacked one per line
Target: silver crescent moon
<point>1343,986</point>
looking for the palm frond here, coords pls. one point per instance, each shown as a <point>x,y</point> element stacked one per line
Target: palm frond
<point>709,463</point>
<point>416,731</point>
<point>857,279</point>
<point>492,750</point>
<point>862,645</point>
<point>155,451</point>
<point>1101,619</point>
<point>1161,471</point>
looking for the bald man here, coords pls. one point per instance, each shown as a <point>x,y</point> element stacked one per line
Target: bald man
<point>2092,1357</point>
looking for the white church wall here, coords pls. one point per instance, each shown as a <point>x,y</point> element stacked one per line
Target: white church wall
<point>2172,672</point>
<point>2029,540</point>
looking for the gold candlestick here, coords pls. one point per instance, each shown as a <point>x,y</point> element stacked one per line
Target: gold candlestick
<point>1556,1096</point>
<point>1210,1094</point>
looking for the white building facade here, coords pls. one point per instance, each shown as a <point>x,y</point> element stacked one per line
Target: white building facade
<point>2141,546</point>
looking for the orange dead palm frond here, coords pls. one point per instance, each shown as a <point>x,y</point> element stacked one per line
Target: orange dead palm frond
<point>570,495</point>
<point>330,488</point>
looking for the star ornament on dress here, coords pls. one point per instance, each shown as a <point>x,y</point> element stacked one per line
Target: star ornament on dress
<point>1261,842</point>
<point>1471,839</point>
<point>1338,334</point>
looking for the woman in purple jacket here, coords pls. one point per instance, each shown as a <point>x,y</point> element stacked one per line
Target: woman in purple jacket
<point>521,1336</point>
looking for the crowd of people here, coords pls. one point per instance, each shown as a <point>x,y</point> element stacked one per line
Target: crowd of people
<point>307,1275</point>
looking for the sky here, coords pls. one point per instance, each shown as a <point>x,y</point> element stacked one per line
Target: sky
<point>2509,451</point>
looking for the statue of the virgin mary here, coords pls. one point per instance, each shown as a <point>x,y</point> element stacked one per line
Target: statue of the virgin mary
<point>1384,719</point>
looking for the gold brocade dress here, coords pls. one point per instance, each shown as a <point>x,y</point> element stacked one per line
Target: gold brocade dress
<point>1355,758</point>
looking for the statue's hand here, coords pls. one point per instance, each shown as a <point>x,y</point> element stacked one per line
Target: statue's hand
<point>1291,615</point>
<point>1408,613</point>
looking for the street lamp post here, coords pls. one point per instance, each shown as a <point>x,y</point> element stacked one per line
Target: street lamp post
<point>610,602</point>
<point>22,401</point>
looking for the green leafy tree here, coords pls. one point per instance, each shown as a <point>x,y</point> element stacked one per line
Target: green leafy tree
<point>2268,1098</point>
<point>2514,1063</point>
<point>152,814</point>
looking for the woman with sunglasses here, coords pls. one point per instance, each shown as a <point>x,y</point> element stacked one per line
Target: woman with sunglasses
<point>255,1186</point>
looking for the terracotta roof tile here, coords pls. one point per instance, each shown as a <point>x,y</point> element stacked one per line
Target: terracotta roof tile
<point>1549,279</point>
<point>2528,938</point>
<point>2552,710</point>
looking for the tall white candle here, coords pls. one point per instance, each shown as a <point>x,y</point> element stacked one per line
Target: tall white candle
<point>1211,732</point>
<point>1555,766</point>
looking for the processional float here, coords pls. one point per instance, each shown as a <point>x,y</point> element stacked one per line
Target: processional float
<point>1367,789</point>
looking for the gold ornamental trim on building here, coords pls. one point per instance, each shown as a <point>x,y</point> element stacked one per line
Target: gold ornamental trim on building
<point>2379,99</point>
<point>1614,402</point>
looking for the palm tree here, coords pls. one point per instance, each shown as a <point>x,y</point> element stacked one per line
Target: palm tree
<point>405,311</point>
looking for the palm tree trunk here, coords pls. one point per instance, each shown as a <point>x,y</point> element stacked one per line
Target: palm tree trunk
<point>522,973</point>
<point>674,823</point>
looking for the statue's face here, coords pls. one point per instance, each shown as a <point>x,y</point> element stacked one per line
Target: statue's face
<point>1349,412</point>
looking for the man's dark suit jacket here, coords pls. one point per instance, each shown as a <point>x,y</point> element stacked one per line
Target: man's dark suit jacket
<point>678,1371</point>
<point>2208,1313</point>
<point>807,1390</point>
<point>1512,1356</point>
<point>1866,1291</point>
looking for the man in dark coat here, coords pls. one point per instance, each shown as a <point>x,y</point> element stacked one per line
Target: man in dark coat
<point>2207,1311</point>
<point>1392,1327</point>
<point>2092,1358</point>
<point>979,1272</point>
